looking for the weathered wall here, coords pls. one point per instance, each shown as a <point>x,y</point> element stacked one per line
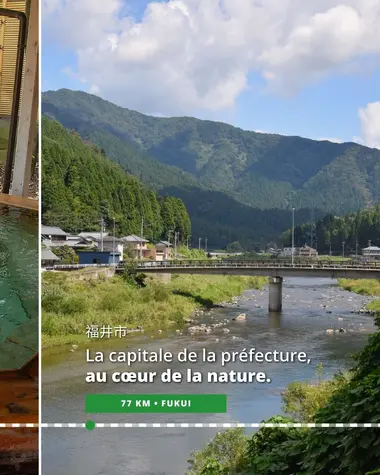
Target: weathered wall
<point>91,274</point>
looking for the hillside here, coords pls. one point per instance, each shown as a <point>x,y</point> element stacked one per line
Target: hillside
<point>360,227</point>
<point>80,185</point>
<point>264,171</point>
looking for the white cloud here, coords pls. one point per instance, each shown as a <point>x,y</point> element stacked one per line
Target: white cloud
<point>183,56</point>
<point>370,124</point>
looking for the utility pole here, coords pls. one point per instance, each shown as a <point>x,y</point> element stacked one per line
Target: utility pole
<point>206,245</point>
<point>199,243</point>
<point>293,236</point>
<point>114,241</point>
<point>313,230</point>
<point>356,253</point>
<point>343,244</point>
<point>187,240</point>
<point>101,234</point>
<point>330,248</point>
<point>175,244</point>
<point>141,237</point>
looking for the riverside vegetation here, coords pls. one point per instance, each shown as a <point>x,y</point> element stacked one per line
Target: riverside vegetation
<point>369,287</point>
<point>347,398</point>
<point>69,305</point>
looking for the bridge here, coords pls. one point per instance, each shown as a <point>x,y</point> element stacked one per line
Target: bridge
<point>275,269</point>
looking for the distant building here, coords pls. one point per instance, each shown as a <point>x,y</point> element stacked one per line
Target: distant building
<point>138,246</point>
<point>307,251</point>
<point>163,251</point>
<point>48,258</point>
<point>289,251</point>
<point>53,233</point>
<point>111,244</point>
<point>372,252</point>
<point>93,235</point>
<point>98,257</point>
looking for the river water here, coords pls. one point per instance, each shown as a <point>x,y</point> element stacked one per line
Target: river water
<point>18,286</point>
<point>310,307</point>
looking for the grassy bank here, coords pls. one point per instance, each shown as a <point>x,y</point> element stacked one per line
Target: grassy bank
<point>368,287</point>
<point>69,306</point>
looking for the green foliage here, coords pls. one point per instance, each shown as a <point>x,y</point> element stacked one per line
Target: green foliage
<point>302,399</point>
<point>234,247</point>
<point>224,454</point>
<point>226,177</point>
<point>223,220</point>
<point>79,186</point>
<point>276,450</point>
<point>320,451</point>
<point>69,304</point>
<point>265,171</point>
<point>361,286</point>
<point>131,275</point>
<point>66,254</point>
<point>359,227</point>
<point>192,253</point>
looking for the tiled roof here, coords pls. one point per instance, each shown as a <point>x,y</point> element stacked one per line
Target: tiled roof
<point>52,230</point>
<point>133,238</point>
<point>48,255</point>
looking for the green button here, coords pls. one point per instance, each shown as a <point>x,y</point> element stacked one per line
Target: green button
<point>155,403</point>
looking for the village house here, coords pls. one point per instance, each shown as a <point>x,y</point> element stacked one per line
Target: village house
<point>53,233</point>
<point>138,246</point>
<point>163,251</point>
<point>111,244</point>
<point>99,257</point>
<point>48,258</point>
<point>371,253</point>
<point>289,251</point>
<point>307,251</point>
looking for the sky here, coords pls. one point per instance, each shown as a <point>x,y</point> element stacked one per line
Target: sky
<point>294,67</point>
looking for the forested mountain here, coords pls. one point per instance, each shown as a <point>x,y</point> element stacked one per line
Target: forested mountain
<point>360,228</point>
<point>80,185</point>
<point>223,220</point>
<point>264,171</point>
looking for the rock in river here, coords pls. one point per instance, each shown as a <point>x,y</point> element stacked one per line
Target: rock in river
<point>240,318</point>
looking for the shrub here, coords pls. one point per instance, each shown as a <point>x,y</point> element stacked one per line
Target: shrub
<point>302,399</point>
<point>225,453</point>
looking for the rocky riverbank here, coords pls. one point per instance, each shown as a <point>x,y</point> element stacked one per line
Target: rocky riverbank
<point>69,307</point>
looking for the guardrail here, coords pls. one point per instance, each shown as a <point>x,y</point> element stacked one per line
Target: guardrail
<point>267,264</point>
<point>77,266</point>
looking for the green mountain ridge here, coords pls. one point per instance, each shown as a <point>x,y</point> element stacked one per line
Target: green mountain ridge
<point>80,185</point>
<point>264,171</point>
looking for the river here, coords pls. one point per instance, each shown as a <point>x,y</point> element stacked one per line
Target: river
<point>164,451</point>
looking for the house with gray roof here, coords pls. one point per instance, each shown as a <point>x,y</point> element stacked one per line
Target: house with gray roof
<point>371,253</point>
<point>48,258</point>
<point>53,233</point>
<point>163,251</point>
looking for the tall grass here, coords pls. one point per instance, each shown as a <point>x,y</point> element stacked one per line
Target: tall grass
<point>370,287</point>
<point>361,286</point>
<point>68,306</point>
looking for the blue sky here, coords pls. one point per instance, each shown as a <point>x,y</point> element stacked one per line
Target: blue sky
<point>161,66</point>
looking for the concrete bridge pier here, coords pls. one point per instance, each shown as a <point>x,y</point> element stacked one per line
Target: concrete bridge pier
<point>275,294</point>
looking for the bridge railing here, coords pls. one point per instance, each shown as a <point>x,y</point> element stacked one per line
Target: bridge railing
<point>265,263</point>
